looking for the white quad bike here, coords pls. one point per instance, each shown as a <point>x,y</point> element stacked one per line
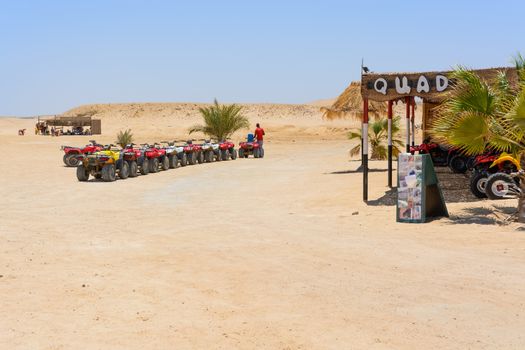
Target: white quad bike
<point>175,154</point>
<point>171,153</point>
<point>210,150</point>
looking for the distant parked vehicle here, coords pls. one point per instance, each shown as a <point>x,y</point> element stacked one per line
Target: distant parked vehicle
<point>105,165</point>
<point>73,155</point>
<point>249,147</point>
<point>227,150</point>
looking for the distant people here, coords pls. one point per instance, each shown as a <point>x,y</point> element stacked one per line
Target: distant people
<point>259,136</point>
<point>21,132</point>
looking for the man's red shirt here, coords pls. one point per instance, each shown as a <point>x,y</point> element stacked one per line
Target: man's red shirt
<point>259,133</point>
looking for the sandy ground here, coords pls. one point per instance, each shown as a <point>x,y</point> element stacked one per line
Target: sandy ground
<point>278,253</point>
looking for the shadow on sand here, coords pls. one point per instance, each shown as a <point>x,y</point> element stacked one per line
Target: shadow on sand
<point>356,171</point>
<point>498,215</point>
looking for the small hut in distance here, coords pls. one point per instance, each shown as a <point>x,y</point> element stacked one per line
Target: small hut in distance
<point>73,123</point>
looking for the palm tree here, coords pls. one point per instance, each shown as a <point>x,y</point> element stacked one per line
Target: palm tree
<point>221,121</point>
<point>378,137</point>
<point>124,138</point>
<point>481,114</point>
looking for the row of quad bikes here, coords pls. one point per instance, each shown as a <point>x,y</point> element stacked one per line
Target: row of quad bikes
<point>106,162</point>
<point>494,175</point>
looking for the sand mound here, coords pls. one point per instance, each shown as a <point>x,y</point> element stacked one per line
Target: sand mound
<point>282,122</point>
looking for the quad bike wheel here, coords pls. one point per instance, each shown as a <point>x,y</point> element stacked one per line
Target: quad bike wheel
<point>183,160</point>
<point>165,163</point>
<point>144,167</point>
<point>109,173</point>
<point>174,161</point>
<point>124,170</point>
<point>133,168</point>
<point>458,164</point>
<point>200,157</point>
<point>501,186</point>
<point>154,165</point>
<point>233,154</point>
<point>241,153</point>
<point>218,156</point>
<point>225,154</point>
<point>209,156</point>
<point>478,182</point>
<point>71,160</point>
<point>470,162</point>
<point>192,158</point>
<point>256,153</point>
<point>82,173</point>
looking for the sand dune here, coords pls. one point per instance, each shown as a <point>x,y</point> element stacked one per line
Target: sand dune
<point>147,120</point>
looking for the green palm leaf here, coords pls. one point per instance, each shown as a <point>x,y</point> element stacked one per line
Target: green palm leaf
<point>221,121</point>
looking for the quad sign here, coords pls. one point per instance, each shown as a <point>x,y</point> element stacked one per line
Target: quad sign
<point>383,87</point>
<point>404,87</point>
<point>433,86</point>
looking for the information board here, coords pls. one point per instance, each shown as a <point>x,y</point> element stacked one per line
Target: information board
<point>419,196</point>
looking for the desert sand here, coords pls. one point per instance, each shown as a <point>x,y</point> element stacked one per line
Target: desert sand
<point>276,253</point>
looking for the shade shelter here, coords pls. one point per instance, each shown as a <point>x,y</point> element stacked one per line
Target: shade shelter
<point>350,103</point>
<point>432,87</point>
<point>95,125</point>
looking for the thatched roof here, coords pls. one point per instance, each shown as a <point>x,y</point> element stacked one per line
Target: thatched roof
<point>369,81</point>
<point>350,104</point>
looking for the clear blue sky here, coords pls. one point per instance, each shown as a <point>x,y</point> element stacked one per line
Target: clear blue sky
<point>58,54</point>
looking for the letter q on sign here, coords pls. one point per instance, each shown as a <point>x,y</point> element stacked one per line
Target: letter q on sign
<point>380,86</point>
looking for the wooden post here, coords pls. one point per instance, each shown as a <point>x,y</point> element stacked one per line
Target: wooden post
<point>407,125</point>
<point>413,105</point>
<point>389,143</point>
<point>364,133</point>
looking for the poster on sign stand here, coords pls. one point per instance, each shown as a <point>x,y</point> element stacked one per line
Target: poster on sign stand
<point>419,196</point>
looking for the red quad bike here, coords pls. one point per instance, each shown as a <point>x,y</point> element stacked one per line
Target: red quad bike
<point>227,150</point>
<point>164,159</point>
<point>136,160</point>
<point>72,156</point>
<point>443,156</point>
<point>193,153</point>
<point>438,153</point>
<point>156,158</point>
<point>487,165</point>
<point>250,146</point>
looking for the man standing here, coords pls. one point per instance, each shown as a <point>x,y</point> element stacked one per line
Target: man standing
<point>259,134</point>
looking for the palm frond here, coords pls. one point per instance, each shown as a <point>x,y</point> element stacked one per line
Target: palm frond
<point>377,138</point>
<point>481,114</point>
<point>124,138</point>
<point>221,121</point>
